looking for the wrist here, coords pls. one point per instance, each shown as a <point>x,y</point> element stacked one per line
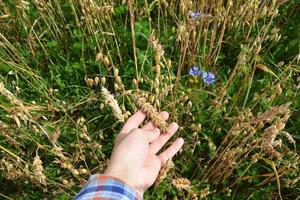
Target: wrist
<point>125,178</point>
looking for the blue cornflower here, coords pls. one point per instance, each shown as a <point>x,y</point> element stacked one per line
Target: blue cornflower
<point>208,77</point>
<point>195,71</point>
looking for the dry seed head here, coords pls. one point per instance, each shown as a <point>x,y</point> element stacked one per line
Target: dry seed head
<point>65,182</point>
<point>189,104</point>
<point>128,113</point>
<point>15,117</point>
<point>38,170</point>
<point>103,80</point>
<point>280,64</point>
<point>116,87</point>
<point>112,102</point>
<point>161,77</point>
<point>153,114</point>
<point>157,58</point>
<point>141,80</point>
<point>156,82</point>
<point>278,89</point>
<point>75,172</point>
<point>151,99</point>
<point>90,82</point>
<point>181,32</point>
<point>54,136</point>
<point>196,127</point>
<point>83,171</point>
<point>288,136</point>
<point>134,81</point>
<point>96,81</point>
<point>157,70</point>
<point>182,183</point>
<point>106,61</point>
<point>126,116</point>
<point>169,64</point>
<point>157,103</point>
<point>118,80</point>
<point>99,57</point>
<point>101,106</point>
<point>277,143</point>
<point>280,126</point>
<point>116,72</point>
<point>12,99</point>
<point>269,136</point>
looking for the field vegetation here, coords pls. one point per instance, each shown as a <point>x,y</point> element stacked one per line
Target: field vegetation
<point>228,72</point>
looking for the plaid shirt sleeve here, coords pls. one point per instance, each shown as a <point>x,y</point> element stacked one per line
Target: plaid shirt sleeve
<point>100,187</point>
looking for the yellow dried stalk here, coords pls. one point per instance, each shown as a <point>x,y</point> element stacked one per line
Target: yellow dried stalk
<point>153,114</point>
<point>112,102</point>
<point>241,140</point>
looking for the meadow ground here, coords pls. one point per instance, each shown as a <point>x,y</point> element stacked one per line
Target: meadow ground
<point>71,73</point>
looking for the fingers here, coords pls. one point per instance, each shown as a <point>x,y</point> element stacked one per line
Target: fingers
<point>150,126</point>
<point>171,151</point>
<point>133,122</point>
<point>156,145</point>
<point>151,135</point>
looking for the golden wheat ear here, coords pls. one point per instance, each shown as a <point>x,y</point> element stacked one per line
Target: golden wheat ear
<point>152,114</point>
<point>112,102</point>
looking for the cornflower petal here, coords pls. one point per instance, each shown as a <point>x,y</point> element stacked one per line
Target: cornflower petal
<point>208,77</point>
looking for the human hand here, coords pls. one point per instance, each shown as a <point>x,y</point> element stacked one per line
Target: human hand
<point>134,158</point>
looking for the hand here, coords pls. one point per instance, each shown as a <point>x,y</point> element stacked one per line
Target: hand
<point>134,159</point>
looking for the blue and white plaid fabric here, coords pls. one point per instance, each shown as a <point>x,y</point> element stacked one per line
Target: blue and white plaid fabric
<point>100,187</point>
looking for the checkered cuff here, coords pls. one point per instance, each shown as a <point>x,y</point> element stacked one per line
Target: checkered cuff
<point>100,187</point>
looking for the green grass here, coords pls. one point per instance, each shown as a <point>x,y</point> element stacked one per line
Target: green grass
<point>48,55</point>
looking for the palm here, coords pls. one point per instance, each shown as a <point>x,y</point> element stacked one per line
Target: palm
<point>150,170</point>
<point>136,151</point>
